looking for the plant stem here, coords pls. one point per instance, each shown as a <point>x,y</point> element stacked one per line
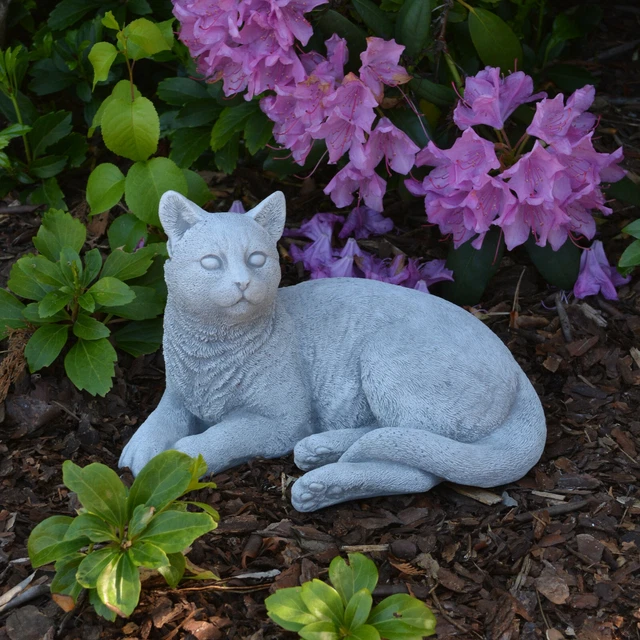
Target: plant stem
<point>454,71</point>
<point>466,6</point>
<point>540,18</point>
<point>521,144</point>
<point>27,150</point>
<point>130,69</point>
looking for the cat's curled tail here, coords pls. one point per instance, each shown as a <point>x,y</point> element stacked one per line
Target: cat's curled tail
<point>502,457</point>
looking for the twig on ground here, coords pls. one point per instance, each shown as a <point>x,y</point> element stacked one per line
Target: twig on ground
<point>555,510</point>
<point>565,324</point>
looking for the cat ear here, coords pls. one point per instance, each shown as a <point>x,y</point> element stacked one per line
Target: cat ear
<point>271,214</point>
<point>178,215</point>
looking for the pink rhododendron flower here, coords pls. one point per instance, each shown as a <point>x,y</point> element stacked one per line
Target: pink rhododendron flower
<point>597,275</point>
<point>422,275</point>
<point>363,222</point>
<point>349,179</point>
<point>490,99</point>
<point>343,267</point>
<point>237,207</point>
<point>380,66</point>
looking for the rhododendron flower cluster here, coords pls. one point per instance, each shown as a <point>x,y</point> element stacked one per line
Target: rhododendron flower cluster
<point>324,260</point>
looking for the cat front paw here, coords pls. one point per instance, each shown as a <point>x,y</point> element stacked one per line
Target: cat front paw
<point>312,452</point>
<point>137,453</point>
<point>308,494</point>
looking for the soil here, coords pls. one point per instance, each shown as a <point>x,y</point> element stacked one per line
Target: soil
<point>555,555</point>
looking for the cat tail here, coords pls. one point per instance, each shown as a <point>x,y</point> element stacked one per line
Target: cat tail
<point>502,457</point>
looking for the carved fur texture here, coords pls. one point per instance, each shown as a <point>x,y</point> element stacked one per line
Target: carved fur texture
<point>377,389</point>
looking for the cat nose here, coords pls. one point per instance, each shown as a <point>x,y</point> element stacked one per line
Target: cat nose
<point>243,285</point>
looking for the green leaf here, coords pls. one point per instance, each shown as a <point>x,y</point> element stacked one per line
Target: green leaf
<point>633,229</point>
<point>559,268</point>
<point>162,480</point>
<point>358,609</point>
<point>68,12</point>
<point>472,269</point>
<point>101,57</point>
<point>140,338</point>
<point>563,29</point>
<point>287,608</point>
<point>105,188</point>
<point>125,266</point>
<point>227,158</point>
<point>402,613</point>
<point>48,193</point>
<point>198,113</point>
<point>110,22</point>
<point>496,43</point>
<point>416,126</point>
<point>146,37</point>
<point>13,131</point>
<point>181,91</point>
<point>333,22</point>
<point>257,132</point>
<point>625,190</point>
<point>145,554</point>
<point>87,302</point>
<point>89,328</point>
<point>70,267</point>
<point>99,490</point>
<point>48,166</point>
<point>94,564</point>
<point>139,520</point>
<point>131,129</point>
<point>167,30</point>
<point>198,191</point>
<point>109,291</point>
<point>365,632</point>
<point>22,283</point>
<point>64,581</point>
<point>47,130</point>
<point>231,121</point>
<point>92,527</point>
<point>324,630</point>
<point>145,184</point>
<point>413,27</point>
<point>323,601</point>
<point>187,145</point>
<point>59,229</point>
<point>125,232</point>
<point>43,270</point>
<point>174,531</point>
<point>10,313</point>
<point>438,94</point>
<point>46,543</point>
<point>45,345</point>
<point>380,22</point>
<point>100,607</point>
<point>569,77</point>
<point>204,506</point>
<point>630,256</point>
<point>92,265</point>
<point>174,571</point>
<point>146,305</point>
<point>122,91</point>
<point>30,313</point>
<point>349,579</point>
<point>53,302</point>
<point>89,365</point>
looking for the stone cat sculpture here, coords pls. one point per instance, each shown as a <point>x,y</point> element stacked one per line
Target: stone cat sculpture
<point>377,389</point>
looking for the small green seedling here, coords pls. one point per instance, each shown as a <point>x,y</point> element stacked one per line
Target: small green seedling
<point>320,612</point>
<point>119,530</point>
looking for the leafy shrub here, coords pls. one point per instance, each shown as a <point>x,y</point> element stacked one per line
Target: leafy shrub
<point>119,530</point>
<point>78,299</point>
<point>316,610</point>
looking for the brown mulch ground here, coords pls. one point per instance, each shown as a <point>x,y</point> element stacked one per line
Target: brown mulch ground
<point>555,555</point>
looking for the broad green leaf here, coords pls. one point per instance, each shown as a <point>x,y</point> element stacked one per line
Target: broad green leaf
<point>126,232</point>
<point>92,266</point>
<point>59,229</point>
<point>146,37</point>
<point>625,190</point>
<point>89,328</point>
<point>181,91</point>
<point>380,22</point>
<point>630,256</point>
<point>413,27</point>
<point>131,129</point>
<point>109,291</point>
<point>87,302</point>
<point>25,285</point>
<point>257,132</point>
<point>323,601</point>
<point>101,57</point>
<point>226,159</point>
<point>48,193</point>
<point>43,270</point>
<point>145,184</point>
<point>91,526</point>
<point>496,43</point>
<point>46,543</point>
<point>13,131</point>
<point>48,166</point>
<point>633,229</point>
<point>358,609</point>
<point>140,338</point>
<point>323,630</point>
<point>333,22</point>
<point>53,302</point>
<point>105,187</point>
<point>65,579</point>
<point>146,305</point>
<point>438,94</point>
<point>174,531</point>
<point>74,147</point>
<point>559,268</point>
<point>166,29</point>
<point>45,345</point>
<point>89,365</point>
<point>401,612</point>
<point>198,191</point>
<point>95,563</point>
<point>139,520</point>
<point>416,126</point>
<point>99,490</point>
<point>71,267</point>
<point>10,313</point>
<point>110,22</point>
<point>563,29</point>
<point>204,506</point>
<point>125,266</point>
<point>174,571</point>
<point>122,91</point>
<point>162,480</point>
<point>286,608</point>
<point>30,313</point>
<point>365,632</point>
<point>569,77</point>
<point>188,144</point>
<point>47,130</point>
<point>231,121</point>
<point>145,554</point>
<point>349,579</point>
<point>198,113</point>
<point>68,12</point>
<point>100,607</point>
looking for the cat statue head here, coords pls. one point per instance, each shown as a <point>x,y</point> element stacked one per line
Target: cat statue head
<point>223,268</point>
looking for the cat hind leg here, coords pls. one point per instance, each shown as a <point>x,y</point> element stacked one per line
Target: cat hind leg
<point>326,447</point>
<point>343,481</point>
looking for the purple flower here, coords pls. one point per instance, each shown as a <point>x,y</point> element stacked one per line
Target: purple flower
<point>380,66</point>
<point>421,276</point>
<point>363,222</point>
<point>237,207</point>
<point>597,275</point>
<point>343,267</point>
<point>564,126</point>
<point>490,99</point>
<point>349,179</point>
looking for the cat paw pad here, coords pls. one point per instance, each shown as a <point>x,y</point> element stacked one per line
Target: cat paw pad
<point>309,496</point>
<point>308,456</point>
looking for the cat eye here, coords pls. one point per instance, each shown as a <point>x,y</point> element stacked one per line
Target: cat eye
<point>256,259</point>
<point>211,262</point>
